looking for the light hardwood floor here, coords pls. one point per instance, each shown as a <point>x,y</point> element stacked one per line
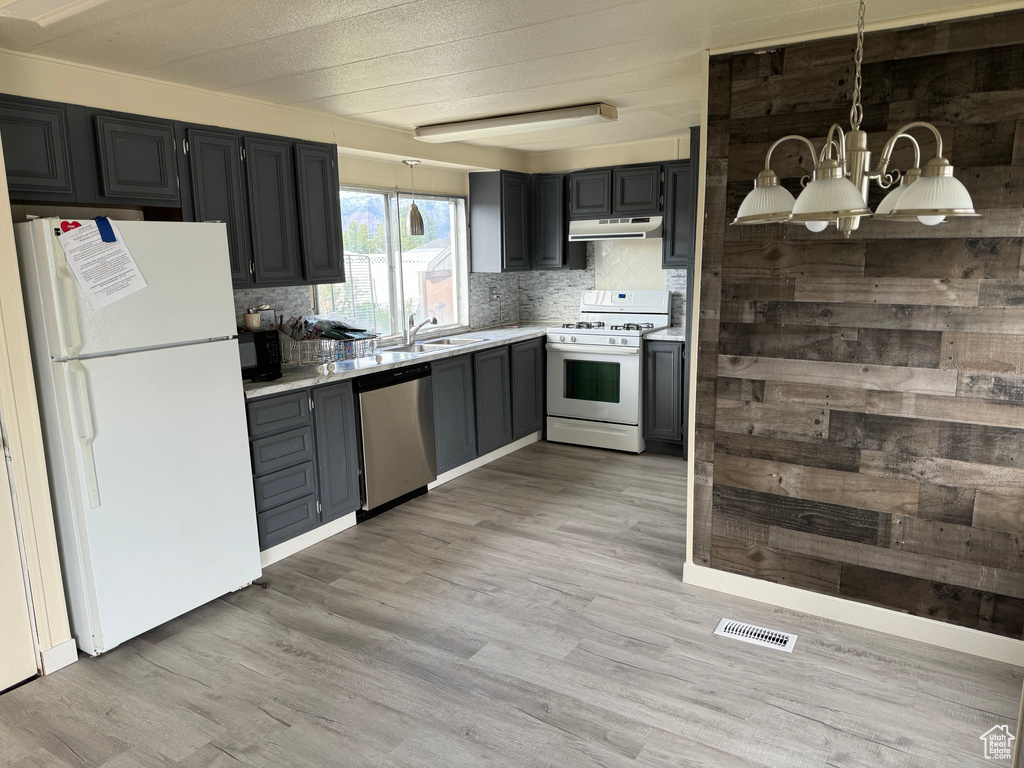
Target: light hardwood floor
<point>530,613</point>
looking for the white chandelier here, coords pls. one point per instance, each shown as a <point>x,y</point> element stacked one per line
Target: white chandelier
<point>837,191</point>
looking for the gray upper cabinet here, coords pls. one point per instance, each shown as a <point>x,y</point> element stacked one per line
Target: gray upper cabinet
<point>499,221</point>
<point>37,153</point>
<point>550,247</point>
<point>270,183</point>
<point>319,209</point>
<point>454,412</point>
<point>680,226</point>
<point>527,361</point>
<point>590,194</point>
<point>136,159</point>
<point>663,391</point>
<point>636,190</point>
<point>336,450</point>
<point>493,399</point>
<point>217,191</point>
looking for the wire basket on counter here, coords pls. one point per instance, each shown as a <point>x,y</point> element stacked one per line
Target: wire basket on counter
<point>318,351</point>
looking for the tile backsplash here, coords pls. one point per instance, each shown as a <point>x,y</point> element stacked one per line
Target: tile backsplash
<point>294,301</point>
<point>541,296</point>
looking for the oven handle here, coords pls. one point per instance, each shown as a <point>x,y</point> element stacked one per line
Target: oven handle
<point>590,349</point>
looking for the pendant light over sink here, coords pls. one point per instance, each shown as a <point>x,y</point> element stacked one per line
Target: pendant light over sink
<point>837,190</point>
<point>414,221</point>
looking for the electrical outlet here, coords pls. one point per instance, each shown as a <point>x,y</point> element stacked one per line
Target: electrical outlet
<point>494,293</point>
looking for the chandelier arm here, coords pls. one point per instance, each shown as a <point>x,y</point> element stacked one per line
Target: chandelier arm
<point>840,145</point>
<point>790,137</point>
<point>883,161</point>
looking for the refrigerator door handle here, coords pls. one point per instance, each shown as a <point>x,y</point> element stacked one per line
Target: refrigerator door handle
<point>86,431</point>
<point>72,333</point>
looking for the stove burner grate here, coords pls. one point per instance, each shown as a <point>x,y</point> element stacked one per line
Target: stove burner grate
<point>584,325</point>
<point>633,327</point>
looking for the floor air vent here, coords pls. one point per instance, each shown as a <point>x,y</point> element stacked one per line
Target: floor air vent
<point>750,633</point>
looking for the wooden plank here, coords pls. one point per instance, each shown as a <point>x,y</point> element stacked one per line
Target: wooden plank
<point>936,408</point>
<point>1002,293</point>
<point>738,529</point>
<point>1018,144</point>
<point>788,422</point>
<point>947,504</point>
<point>962,35</point>
<point>891,290</point>
<point>955,259</point>
<point>968,575</point>
<point>999,511</point>
<point>876,346</point>
<point>973,108</point>
<point>991,386</point>
<point>831,520</point>
<point>891,379</point>
<point>930,469</point>
<point>985,144</point>
<point>822,455</point>
<point>968,319</point>
<point>982,444</point>
<point>887,434</point>
<point>815,574</point>
<point>843,398</point>
<point>787,259</point>
<point>993,549</point>
<point>996,186</point>
<point>845,489</point>
<point>703,496</point>
<point>741,389</point>
<point>988,353</point>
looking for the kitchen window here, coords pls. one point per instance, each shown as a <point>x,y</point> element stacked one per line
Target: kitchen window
<point>391,275</point>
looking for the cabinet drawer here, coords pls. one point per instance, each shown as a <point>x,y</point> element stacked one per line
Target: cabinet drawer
<point>280,524</point>
<point>284,485</point>
<point>276,414</point>
<point>278,451</point>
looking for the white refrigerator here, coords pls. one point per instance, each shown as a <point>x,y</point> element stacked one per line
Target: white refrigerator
<point>144,421</point>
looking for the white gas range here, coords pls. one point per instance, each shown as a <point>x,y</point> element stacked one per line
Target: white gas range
<point>595,372</point>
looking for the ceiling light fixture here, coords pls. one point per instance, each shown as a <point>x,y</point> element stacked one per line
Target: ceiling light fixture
<point>837,190</point>
<point>524,122</point>
<point>45,12</point>
<point>414,221</point>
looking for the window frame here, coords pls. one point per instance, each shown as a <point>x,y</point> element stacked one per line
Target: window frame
<point>396,277</point>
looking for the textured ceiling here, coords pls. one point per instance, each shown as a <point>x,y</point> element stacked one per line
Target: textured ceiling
<point>418,62</point>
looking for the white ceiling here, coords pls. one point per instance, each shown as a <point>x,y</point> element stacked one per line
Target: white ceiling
<point>404,63</point>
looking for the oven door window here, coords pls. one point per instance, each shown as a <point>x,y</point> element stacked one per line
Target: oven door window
<point>592,380</point>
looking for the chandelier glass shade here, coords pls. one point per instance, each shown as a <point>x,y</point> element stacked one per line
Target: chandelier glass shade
<point>837,190</point>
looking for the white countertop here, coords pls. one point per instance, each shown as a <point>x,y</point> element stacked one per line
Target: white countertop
<point>300,376</point>
<point>666,334</point>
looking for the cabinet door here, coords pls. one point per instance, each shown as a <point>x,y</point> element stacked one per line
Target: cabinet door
<point>36,150</point>
<point>316,176</point>
<point>663,391</point>
<point>493,400</point>
<point>218,193</point>
<point>637,191</point>
<point>278,525</point>
<point>515,231</point>
<point>336,450</point>
<point>270,183</point>
<point>137,158</point>
<point>680,204</point>
<point>527,387</point>
<point>454,412</point>
<point>590,194</point>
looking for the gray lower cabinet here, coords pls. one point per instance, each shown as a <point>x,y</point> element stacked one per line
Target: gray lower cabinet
<point>304,449</point>
<point>454,412</point>
<point>663,391</point>
<point>527,362</point>
<point>493,399</point>
<point>337,450</point>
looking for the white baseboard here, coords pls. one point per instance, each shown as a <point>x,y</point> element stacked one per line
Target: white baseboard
<point>486,459</point>
<point>58,657</point>
<point>904,625</point>
<point>299,543</point>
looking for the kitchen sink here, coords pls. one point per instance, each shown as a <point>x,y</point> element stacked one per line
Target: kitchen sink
<point>435,345</point>
<point>409,348</point>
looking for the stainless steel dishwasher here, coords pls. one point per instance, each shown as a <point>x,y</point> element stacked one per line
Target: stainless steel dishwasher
<point>396,418</point>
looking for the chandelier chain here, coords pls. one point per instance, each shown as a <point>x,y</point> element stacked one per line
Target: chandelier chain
<point>857,110</point>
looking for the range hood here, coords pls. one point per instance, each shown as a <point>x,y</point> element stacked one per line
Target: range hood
<point>635,228</point>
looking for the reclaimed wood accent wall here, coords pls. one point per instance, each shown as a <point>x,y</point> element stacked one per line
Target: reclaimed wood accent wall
<point>860,404</point>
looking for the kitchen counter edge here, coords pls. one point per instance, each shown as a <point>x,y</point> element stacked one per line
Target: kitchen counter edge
<point>302,376</point>
<point>666,334</point>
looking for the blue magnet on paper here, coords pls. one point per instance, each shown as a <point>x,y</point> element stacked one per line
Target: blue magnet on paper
<point>106,231</point>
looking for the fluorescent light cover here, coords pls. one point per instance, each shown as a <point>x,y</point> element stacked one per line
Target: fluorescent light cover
<point>524,122</point>
<point>45,12</point>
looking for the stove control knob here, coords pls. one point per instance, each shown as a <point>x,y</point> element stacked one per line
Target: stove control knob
<point>623,341</point>
<point>572,338</point>
<point>561,338</point>
<point>611,341</point>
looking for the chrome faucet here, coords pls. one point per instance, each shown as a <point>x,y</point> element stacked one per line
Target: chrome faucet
<point>414,331</point>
